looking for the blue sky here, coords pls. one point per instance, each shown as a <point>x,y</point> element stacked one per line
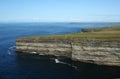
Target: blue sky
<point>59,10</point>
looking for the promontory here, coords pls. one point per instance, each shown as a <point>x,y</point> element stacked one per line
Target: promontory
<point>99,46</point>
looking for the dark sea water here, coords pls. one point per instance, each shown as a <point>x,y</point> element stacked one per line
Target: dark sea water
<point>22,66</point>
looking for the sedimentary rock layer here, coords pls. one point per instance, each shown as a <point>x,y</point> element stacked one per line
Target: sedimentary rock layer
<point>101,52</point>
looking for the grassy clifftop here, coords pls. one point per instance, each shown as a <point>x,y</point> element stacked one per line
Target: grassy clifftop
<point>88,33</point>
<point>104,29</point>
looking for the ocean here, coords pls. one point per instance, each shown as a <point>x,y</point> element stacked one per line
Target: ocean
<point>26,66</point>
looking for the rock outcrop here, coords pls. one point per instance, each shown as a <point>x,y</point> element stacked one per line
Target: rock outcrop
<point>45,47</point>
<point>97,51</point>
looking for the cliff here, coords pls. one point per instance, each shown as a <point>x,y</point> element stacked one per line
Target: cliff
<point>102,48</point>
<point>44,47</point>
<point>97,51</point>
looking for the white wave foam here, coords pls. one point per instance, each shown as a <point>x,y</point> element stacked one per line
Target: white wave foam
<point>34,52</point>
<point>57,61</point>
<point>9,53</point>
<point>11,49</point>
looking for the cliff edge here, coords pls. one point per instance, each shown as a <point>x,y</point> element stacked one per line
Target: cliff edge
<point>101,48</point>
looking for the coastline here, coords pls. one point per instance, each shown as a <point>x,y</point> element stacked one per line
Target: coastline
<point>91,47</point>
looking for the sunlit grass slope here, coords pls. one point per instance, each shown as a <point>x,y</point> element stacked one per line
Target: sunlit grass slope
<point>88,33</point>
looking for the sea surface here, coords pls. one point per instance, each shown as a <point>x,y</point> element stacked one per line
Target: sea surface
<point>20,66</point>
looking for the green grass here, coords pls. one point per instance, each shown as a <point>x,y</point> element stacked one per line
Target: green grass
<point>110,28</point>
<point>104,33</point>
<point>79,36</point>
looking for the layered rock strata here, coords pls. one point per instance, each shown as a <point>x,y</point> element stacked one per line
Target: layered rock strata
<point>97,51</point>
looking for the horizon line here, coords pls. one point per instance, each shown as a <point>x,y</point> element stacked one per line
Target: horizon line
<point>63,22</point>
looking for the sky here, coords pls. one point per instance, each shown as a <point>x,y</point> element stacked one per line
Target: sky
<point>59,10</point>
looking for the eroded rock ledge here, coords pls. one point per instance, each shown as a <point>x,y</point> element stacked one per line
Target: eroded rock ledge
<point>97,51</point>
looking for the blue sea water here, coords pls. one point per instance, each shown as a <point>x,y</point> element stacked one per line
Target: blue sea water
<point>15,66</point>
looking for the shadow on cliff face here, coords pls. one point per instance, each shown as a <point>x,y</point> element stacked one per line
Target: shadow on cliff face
<point>41,65</point>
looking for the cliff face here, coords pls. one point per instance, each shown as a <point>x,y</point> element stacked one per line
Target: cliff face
<point>101,52</point>
<point>43,47</point>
